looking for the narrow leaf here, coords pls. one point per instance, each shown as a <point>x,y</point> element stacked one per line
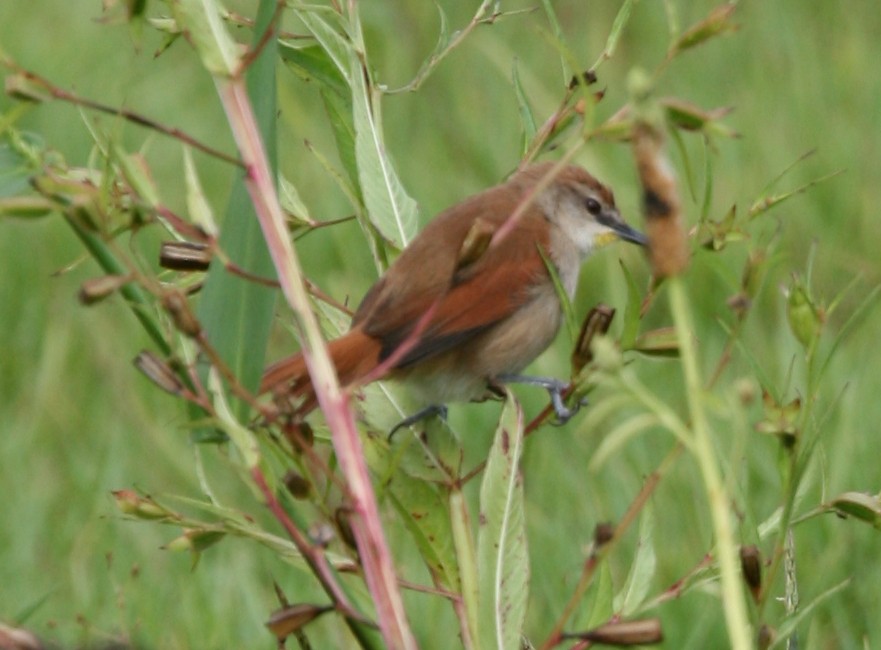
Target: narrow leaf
<point>201,21</point>
<point>237,313</point>
<point>390,209</point>
<point>615,33</point>
<point>314,63</point>
<point>527,120</point>
<point>557,32</point>
<point>336,47</point>
<point>503,566</point>
<point>642,568</point>
<point>424,513</point>
<point>631,311</point>
<point>463,542</point>
<point>242,438</point>
<point>565,302</point>
<point>786,630</point>
<point>15,171</point>
<point>197,205</point>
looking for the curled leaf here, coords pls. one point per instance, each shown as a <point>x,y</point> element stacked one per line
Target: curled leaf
<point>597,322</point>
<point>159,372</point>
<point>865,507</point>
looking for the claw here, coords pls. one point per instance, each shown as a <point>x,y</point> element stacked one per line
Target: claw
<point>555,388</point>
<point>439,410</point>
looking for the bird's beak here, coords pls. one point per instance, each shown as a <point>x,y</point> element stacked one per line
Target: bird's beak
<point>625,232</point>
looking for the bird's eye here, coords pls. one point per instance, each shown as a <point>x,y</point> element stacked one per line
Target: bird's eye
<point>593,206</point>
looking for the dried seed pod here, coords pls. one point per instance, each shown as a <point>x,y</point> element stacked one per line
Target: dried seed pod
<point>298,485</point>
<point>159,372</point>
<point>96,289</point>
<point>751,567</point>
<point>603,534</point>
<point>623,633</point>
<point>597,322</point>
<point>663,211</point>
<point>291,618</point>
<point>175,303</point>
<point>184,256</point>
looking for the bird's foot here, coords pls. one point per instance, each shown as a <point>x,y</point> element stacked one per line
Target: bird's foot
<point>439,410</point>
<point>555,388</point>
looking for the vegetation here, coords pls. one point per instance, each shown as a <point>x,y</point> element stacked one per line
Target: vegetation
<point>716,490</point>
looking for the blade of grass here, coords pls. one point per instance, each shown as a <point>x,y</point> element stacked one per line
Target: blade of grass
<point>237,313</point>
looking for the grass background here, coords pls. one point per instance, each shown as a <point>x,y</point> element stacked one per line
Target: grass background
<point>76,421</point>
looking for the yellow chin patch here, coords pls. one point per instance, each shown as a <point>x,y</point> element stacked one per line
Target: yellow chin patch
<point>605,238</point>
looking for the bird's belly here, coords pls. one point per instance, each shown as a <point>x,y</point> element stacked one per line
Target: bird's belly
<point>461,374</point>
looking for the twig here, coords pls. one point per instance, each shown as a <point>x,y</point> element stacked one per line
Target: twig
<point>313,555</point>
<point>59,93</point>
<point>601,551</point>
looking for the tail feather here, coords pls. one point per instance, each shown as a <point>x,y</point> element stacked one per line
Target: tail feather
<point>353,355</point>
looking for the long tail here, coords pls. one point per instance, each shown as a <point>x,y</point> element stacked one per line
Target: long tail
<point>354,355</point>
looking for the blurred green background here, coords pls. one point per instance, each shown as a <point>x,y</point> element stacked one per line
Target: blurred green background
<point>77,421</point>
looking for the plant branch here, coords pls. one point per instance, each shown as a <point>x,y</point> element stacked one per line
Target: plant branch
<point>378,567</point>
<point>136,118</point>
<point>720,510</point>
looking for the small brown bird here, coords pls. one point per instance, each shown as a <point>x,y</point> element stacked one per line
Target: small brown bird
<point>466,307</point>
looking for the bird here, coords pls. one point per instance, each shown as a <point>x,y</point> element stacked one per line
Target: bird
<point>470,302</point>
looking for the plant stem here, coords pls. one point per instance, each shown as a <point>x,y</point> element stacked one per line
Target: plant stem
<point>726,549</point>
<point>376,558</point>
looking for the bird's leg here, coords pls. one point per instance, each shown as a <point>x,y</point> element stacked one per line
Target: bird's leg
<point>439,410</point>
<point>555,388</point>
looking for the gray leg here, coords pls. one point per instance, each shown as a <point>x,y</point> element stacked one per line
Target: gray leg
<point>429,411</point>
<point>555,388</point>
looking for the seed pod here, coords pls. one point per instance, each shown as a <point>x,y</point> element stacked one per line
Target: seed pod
<point>96,289</point>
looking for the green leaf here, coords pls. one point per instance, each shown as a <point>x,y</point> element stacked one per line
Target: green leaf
<point>864,507</point>
<point>423,509</point>
<point>631,310</point>
<point>197,205</point>
<point>619,435</point>
<point>336,47</point>
<point>562,295</point>
<point>313,63</point>
<point>844,331</point>
<point>788,628</point>
<point>566,58</point>
<point>599,608</point>
<point>503,563</point>
<point>463,541</point>
<point>339,112</point>
<point>134,169</point>
<point>236,313</point>
<point>618,25</point>
<point>244,439</point>
<point>390,209</point>
<point>15,171</point>
<point>527,120</point>
<point>202,22</point>
<point>642,569</point>
<point>661,342</point>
